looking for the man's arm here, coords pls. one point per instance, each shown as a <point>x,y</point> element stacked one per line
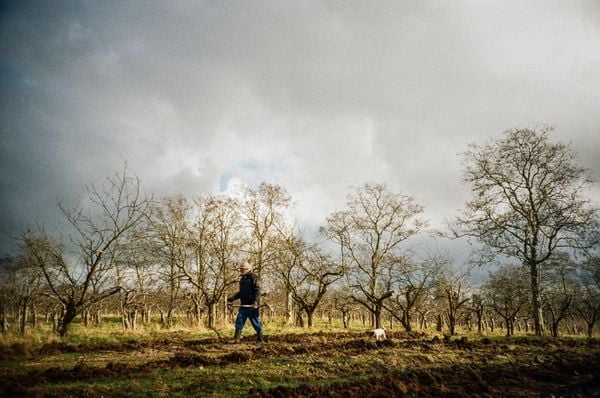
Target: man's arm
<point>256,291</point>
<point>234,297</point>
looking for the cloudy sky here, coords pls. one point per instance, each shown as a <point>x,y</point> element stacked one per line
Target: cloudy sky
<point>316,96</point>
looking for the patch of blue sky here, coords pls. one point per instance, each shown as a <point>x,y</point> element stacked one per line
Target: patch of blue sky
<point>251,165</point>
<point>251,172</point>
<point>224,181</point>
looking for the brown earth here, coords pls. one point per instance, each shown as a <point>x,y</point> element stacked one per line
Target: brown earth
<point>534,368</point>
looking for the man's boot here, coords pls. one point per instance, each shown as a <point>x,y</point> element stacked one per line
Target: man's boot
<point>259,337</point>
<point>237,336</point>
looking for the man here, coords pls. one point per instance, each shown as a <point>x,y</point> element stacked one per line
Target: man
<point>249,295</point>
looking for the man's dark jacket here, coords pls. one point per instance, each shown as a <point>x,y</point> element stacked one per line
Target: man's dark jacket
<point>249,293</point>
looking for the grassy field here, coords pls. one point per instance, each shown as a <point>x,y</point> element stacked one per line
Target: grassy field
<point>105,361</point>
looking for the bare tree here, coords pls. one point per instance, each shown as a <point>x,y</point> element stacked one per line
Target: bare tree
<point>413,281</point>
<point>307,274</point>
<point>478,306</point>
<point>170,230</point>
<point>263,212</point>
<point>587,300</point>
<point>342,301</point>
<point>452,292</point>
<point>527,202</point>
<point>115,208</point>
<point>28,280</point>
<point>369,233</point>
<point>142,269</point>
<point>559,289</point>
<point>8,290</point>
<point>216,240</point>
<point>506,291</point>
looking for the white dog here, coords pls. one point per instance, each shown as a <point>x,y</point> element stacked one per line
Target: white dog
<point>379,334</point>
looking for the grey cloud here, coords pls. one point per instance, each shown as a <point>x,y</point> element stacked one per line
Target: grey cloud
<point>315,96</point>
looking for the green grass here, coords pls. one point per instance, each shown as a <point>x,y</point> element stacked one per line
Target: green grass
<point>263,372</point>
<point>111,331</point>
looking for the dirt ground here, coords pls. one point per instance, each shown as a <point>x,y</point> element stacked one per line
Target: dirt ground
<point>417,364</point>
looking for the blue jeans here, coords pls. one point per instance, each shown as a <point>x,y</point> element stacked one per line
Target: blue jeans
<point>248,313</point>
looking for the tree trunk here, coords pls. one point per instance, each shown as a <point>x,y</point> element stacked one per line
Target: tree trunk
<point>346,319</point>
<point>289,312</point>
<point>507,321</point>
<point>210,308</point>
<point>299,319</point>
<point>3,318</point>
<point>574,330</point>
<point>33,311</point>
<point>377,316</point>
<point>133,318</point>
<point>555,328</point>
<point>423,322</point>
<point>124,317</point>
<point>309,318</point>
<point>97,317</point>
<point>439,324</point>
<point>70,312</point>
<point>198,314</point>
<point>24,315</point>
<point>536,299</point>
<point>86,318</point>
<point>406,321</point>
<point>170,315</point>
<point>452,326</point>
<point>54,322</point>
<point>145,314</point>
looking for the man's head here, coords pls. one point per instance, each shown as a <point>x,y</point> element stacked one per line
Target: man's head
<point>245,267</point>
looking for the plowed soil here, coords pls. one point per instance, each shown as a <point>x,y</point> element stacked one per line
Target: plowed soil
<point>404,365</point>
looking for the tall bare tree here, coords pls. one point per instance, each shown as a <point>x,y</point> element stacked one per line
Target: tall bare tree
<point>369,233</point>
<point>115,208</point>
<point>528,202</point>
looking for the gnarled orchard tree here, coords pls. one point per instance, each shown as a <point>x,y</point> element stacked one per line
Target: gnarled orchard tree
<point>527,202</point>
<point>369,233</point>
<point>414,280</point>
<point>307,274</point>
<point>507,292</point>
<point>70,271</point>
